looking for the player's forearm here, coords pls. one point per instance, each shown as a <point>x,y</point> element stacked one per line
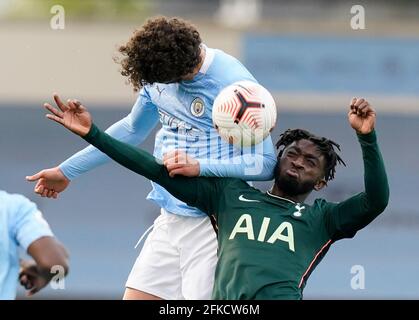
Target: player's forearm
<point>90,157</point>
<point>358,211</point>
<point>251,166</point>
<point>47,253</point>
<point>246,167</point>
<point>375,177</point>
<point>347,217</point>
<point>143,163</point>
<point>82,162</point>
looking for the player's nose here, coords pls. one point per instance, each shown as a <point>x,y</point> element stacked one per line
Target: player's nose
<point>297,163</point>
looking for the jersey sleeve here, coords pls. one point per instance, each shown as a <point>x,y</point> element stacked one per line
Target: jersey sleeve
<point>202,193</point>
<point>344,219</point>
<point>255,164</point>
<point>28,224</point>
<point>133,129</point>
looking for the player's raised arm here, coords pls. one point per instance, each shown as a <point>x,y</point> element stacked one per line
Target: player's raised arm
<point>346,218</point>
<point>199,192</point>
<point>133,129</point>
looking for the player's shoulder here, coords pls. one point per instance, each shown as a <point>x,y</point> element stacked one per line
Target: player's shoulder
<point>223,61</point>
<point>231,183</point>
<point>321,206</point>
<point>14,197</point>
<point>11,202</point>
<point>222,56</point>
<point>13,206</point>
<point>11,198</point>
<point>3,194</point>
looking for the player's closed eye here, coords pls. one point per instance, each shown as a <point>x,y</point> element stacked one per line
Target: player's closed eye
<point>291,154</point>
<point>311,163</point>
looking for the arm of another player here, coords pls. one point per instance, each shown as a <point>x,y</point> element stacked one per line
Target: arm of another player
<point>202,193</point>
<point>251,166</point>
<point>346,218</point>
<point>133,129</point>
<point>51,259</point>
<point>33,234</point>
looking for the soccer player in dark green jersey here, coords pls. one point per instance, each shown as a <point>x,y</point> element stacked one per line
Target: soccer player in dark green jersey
<point>269,243</point>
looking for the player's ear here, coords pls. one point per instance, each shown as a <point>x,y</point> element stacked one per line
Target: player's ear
<point>320,184</point>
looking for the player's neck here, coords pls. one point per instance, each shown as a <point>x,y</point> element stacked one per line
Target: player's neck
<point>276,191</point>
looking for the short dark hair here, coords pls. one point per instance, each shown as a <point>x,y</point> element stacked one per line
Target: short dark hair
<point>326,147</point>
<point>162,50</point>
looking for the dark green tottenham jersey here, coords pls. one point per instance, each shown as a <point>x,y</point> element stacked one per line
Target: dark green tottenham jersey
<point>268,246</point>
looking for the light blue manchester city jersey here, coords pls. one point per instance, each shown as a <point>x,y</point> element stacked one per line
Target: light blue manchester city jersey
<point>184,110</point>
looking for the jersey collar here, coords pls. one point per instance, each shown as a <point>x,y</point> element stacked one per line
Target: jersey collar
<point>209,57</point>
<point>281,198</point>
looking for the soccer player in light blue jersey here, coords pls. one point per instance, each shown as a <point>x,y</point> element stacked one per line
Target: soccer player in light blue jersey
<point>178,78</point>
<point>22,226</point>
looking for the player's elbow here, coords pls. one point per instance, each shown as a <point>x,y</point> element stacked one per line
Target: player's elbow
<point>382,204</point>
<point>381,199</point>
<point>377,205</point>
<point>387,196</point>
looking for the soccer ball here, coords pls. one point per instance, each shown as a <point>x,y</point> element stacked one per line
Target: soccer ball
<point>244,113</point>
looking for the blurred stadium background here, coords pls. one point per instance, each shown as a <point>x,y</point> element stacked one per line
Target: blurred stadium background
<point>305,52</point>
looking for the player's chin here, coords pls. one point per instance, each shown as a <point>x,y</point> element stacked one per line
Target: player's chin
<point>289,183</point>
<point>294,186</point>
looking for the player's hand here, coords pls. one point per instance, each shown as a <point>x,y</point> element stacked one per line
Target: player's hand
<point>361,116</point>
<point>50,182</point>
<point>73,115</point>
<point>179,163</point>
<point>31,278</point>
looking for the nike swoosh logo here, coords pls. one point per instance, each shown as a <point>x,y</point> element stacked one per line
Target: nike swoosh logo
<point>241,198</point>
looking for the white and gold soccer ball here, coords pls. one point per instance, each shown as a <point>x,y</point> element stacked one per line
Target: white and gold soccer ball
<point>244,113</point>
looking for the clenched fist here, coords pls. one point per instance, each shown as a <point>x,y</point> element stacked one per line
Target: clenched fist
<point>361,116</point>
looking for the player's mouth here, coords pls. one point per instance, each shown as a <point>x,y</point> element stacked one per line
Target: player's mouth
<point>292,173</point>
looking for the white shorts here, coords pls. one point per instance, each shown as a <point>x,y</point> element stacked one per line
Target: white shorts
<point>178,259</point>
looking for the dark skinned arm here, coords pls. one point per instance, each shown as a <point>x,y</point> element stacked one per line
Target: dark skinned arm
<point>48,254</point>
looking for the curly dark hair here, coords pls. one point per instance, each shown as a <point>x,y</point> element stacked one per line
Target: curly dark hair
<point>163,50</point>
<point>326,147</point>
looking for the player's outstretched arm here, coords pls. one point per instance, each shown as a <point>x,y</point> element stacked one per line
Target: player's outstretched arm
<point>49,182</point>
<point>346,218</point>
<point>133,129</point>
<point>250,166</point>
<point>199,192</point>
